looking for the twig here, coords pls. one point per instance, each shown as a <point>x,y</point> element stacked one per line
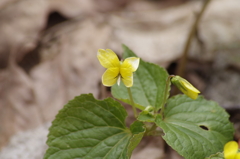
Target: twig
<point>192,33</point>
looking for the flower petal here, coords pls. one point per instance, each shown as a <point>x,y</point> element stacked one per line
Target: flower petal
<point>119,80</point>
<point>127,68</point>
<point>190,94</point>
<point>126,76</point>
<point>108,58</point>
<point>125,72</point>
<point>189,90</point>
<point>230,150</point>
<point>128,80</point>
<point>237,156</point>
<point>110,76</point>
<point>189,86</point>
<point>186,87</point>
<point>131,63</point>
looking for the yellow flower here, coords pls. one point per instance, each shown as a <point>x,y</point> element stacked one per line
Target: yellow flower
<point>117,70</point>
<point>231,150</point>
<point>185,87</point>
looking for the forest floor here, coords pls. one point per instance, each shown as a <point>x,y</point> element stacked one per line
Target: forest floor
<point>48,56</point>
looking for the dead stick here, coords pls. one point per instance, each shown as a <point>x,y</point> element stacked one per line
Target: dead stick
<point>183,60</point>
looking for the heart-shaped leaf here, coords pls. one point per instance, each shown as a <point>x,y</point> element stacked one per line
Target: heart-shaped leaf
<point>195,128</point>
<point>87,128</point>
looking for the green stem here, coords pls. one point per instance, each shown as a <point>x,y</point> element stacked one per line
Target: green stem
<point>132,102</point>
<point>165,95</point>
<point>153,131</point>
<point>153,128</point>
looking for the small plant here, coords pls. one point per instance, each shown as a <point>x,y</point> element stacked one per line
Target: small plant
<point>87,128</point>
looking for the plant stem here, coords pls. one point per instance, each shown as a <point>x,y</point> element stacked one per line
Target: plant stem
<point>183,60</point>
<point>153,128</point>
<point>132,102</point>
<point>165,94</point>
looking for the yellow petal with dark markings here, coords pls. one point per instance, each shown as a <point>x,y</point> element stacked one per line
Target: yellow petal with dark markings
<point>127,68</point>
<point>125,72</point>
<point>117,71</point>
<point>110,76</point>
<point>128,81</point>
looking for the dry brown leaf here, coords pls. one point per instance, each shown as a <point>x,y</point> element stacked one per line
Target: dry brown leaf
<point>21,22</point>
<point>69,65</point>
<point>17,108</point>
<point>159,35</point>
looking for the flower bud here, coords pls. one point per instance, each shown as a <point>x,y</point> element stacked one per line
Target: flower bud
<point>185,87</point>
<point>149,109</point>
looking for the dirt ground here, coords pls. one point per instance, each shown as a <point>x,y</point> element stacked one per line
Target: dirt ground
<point>48,55</point>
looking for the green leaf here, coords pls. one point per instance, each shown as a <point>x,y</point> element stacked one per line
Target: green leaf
<point>148,87</point>
<point>195,128</point>
<point>87,128</point>
<point>146,117</point>
<point>218,155</point>
<point>138,130</point>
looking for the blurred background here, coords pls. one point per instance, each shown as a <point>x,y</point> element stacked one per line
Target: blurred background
<point>48,55</point>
